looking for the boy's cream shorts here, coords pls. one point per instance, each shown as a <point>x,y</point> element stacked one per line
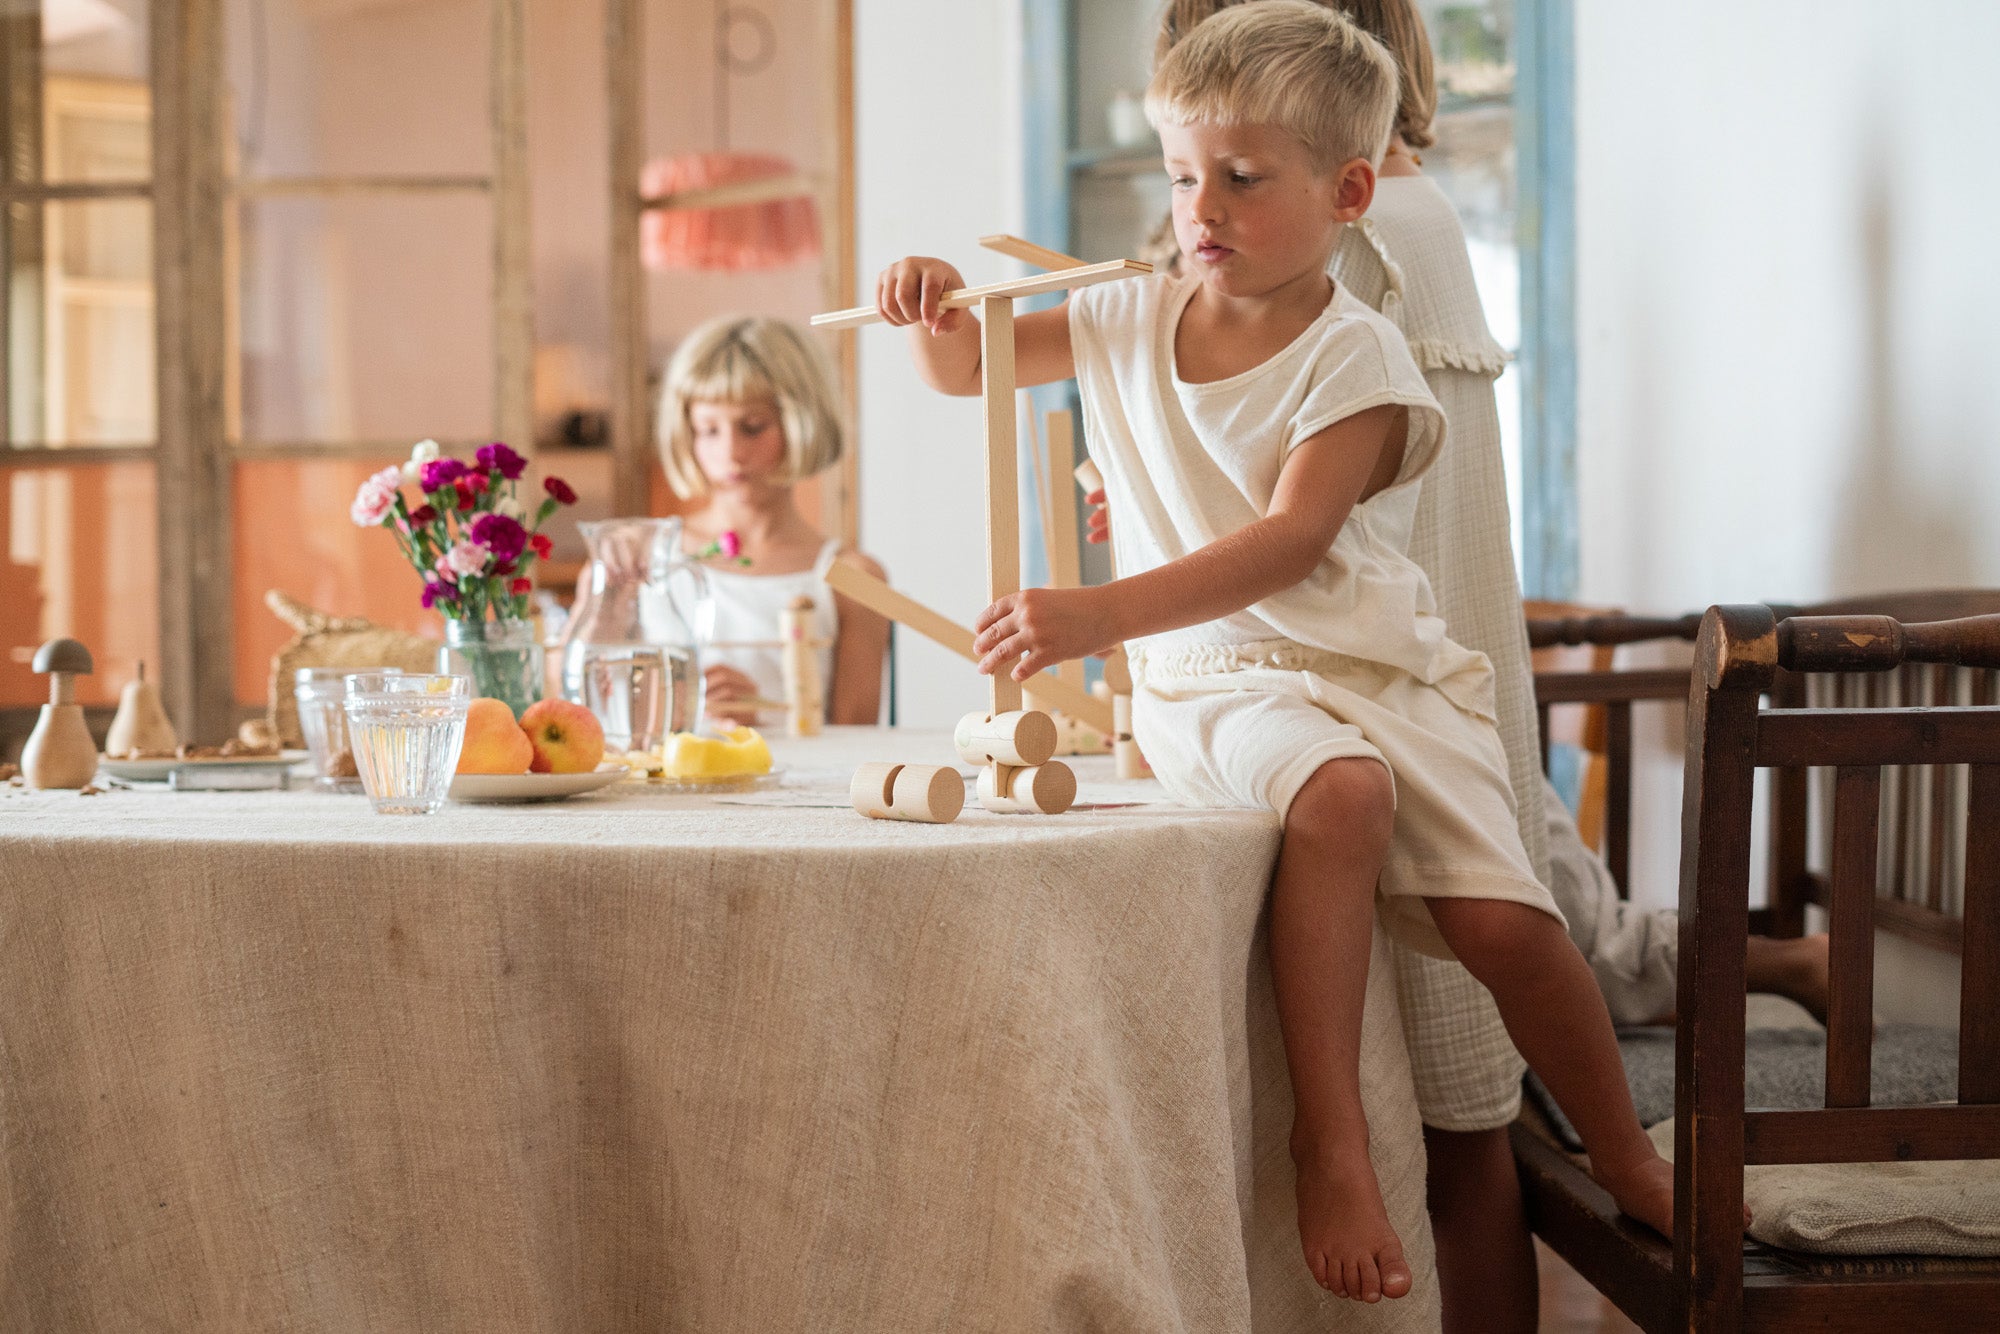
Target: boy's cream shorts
<point>1248,726</point>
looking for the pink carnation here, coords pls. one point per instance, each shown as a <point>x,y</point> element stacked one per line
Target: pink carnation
<point>732,545</point>
<point>464,560</point>
<point>376,498</point>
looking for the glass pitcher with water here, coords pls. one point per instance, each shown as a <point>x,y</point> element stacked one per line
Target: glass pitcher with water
<point>631,651</point>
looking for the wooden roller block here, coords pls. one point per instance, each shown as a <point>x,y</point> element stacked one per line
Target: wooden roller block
<point>1023,738</point>
<point>1039,789</point>
<point>925,793</point>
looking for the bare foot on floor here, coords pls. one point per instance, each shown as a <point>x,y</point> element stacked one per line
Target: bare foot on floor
<point>1349,1244</point>
<point>1793,967</point>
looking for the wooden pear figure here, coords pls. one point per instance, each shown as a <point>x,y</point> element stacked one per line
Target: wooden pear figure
<point>60,752</point>
<point>141,723</point>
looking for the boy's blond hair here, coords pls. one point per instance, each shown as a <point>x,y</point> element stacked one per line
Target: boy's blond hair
<point>744,360</point>
<point>1289,63</point>
<point>1397,24</point>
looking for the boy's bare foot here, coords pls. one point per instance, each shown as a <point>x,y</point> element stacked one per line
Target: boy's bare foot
<point>1644,1190</point>
<point>1793,967</point>
<point>1349,1244</point>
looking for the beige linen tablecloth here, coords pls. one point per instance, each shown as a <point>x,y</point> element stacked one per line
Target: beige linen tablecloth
<point>637,1062</point>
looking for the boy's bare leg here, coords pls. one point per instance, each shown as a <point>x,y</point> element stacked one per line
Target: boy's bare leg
<point>1549,1000</point>
<point>1793,967</point>
<point>1322,924</point>
<point>1485,1260</point>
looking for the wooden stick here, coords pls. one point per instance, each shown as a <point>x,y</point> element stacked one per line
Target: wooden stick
<point>736,193</point>
<point>1003,474</point>
<point>1039,480</point>
<point>1033,285</point>
<point>1028,252</point>
<point>878,597</point>
<point>1065,559</point>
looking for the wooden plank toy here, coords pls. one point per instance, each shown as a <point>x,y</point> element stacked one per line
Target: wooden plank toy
<point>1045,786</point>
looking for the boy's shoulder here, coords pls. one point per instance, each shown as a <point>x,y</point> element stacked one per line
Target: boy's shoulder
<point>1357,341</point>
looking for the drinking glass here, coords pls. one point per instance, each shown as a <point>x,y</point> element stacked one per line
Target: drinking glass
<point>406,730</point>
<point>631,689</point>
<point>321,693</point>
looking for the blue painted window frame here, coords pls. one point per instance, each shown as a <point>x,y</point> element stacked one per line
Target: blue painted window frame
<point>1545,210</point>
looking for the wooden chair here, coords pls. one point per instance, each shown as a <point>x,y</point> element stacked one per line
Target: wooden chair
<point>1604,815</point>
<point>1705,1279</point>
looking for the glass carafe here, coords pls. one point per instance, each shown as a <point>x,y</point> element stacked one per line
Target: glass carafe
<point>639,594</point>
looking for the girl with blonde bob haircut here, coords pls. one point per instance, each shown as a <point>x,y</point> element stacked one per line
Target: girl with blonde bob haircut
<point>748,411</point>
<point>738,360</point>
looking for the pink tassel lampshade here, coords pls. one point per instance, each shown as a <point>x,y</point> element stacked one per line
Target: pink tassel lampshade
<point>726,211</point>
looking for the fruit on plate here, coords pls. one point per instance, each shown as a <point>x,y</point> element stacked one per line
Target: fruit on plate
<point>494,742</point>
<point>737,753</point>
<point>567,738</point>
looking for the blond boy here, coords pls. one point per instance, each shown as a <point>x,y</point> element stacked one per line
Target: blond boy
<point>1263,436</point>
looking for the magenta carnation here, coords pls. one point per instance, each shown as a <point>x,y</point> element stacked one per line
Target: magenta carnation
<point>503,536</point>
<point>731,544</point>
<point>435,592</point>
<point>440,473</point>
<point>497,457</point>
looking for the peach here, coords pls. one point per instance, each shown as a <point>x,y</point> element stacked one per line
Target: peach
<point>494,742</point>
<point>567,738</point>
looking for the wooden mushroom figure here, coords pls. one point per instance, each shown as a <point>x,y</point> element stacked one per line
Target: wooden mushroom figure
<point>60,752</point>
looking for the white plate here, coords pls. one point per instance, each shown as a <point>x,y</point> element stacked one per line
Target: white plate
<point>531,787</point>
<point>728,783</point>
<point>156,771</point>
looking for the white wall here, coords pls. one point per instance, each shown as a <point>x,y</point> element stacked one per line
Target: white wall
<point>1788,311</point>
<point>1788,299</point>
<point>938,126</point>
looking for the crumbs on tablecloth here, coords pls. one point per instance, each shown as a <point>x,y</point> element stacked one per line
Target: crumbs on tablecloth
<point>9,774</point>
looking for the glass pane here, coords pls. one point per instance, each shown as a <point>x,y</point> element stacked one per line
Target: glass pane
<point>80,323</point>
<point>77,104</point>
<point>78,559</point>
<point>366,318</point>
<point>359,87</point>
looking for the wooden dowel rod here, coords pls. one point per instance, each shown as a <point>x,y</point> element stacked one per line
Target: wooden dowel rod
<point>736,194</point>
<point>1033,285</point>
<point>1003,476</point>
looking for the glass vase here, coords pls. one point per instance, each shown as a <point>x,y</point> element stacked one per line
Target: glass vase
<point>503,658</point>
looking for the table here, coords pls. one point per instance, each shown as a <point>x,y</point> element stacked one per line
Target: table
<point>636,1061</point>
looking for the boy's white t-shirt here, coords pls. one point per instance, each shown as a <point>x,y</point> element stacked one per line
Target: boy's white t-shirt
<point>1187,464</point>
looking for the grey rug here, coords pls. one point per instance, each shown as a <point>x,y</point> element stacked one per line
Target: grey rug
<point>1782,1068</point>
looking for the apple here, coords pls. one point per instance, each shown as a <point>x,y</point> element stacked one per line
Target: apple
<point>494,742</point>
<point>566,737</point>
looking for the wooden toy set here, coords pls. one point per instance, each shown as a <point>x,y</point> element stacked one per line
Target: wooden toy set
<point>1015,745</point>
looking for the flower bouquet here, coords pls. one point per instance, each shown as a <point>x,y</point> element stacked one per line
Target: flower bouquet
<point>473,542</point>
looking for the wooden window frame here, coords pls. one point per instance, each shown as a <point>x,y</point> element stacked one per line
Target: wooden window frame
<point>195,194</point>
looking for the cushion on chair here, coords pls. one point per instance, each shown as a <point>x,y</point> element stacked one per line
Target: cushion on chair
<point>1942,1208</point>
